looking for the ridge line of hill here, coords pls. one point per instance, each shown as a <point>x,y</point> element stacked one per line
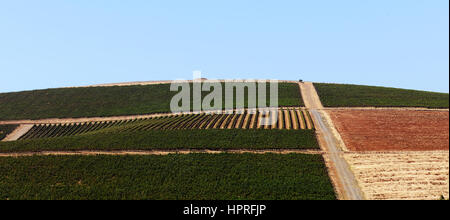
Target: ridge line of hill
<point>144,83</point>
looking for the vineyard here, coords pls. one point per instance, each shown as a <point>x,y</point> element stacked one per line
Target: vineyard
<point>290,119</point>
<point>340,95</point>
<point>111,101</point>
<point>181,177</point>
<point>208,139</point>
<point>238,154</point>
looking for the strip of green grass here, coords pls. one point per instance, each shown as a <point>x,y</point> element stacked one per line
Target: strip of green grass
<point>213,139</point>
<point>106,101</point>
<point>6,129</point>
<point>339,95</point>
<point>172,177</point>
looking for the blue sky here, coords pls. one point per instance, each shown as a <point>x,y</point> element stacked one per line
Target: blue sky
<point>396,43</point>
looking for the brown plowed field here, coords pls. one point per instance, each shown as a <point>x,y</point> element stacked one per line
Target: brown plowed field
<point>393,130</point>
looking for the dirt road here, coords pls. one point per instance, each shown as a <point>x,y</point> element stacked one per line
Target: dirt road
<point>154,152</point>
<point>310,96</point>
<point>18,132</point>
<point>340,172</point>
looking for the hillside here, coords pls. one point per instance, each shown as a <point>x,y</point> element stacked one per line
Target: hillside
<point>342,95</point>
<point>106,101</point>
<point>108,143</point>
<point>213,139</point>
<point>173,177</point>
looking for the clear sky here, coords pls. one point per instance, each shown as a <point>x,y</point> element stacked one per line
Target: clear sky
<point>56,43</point>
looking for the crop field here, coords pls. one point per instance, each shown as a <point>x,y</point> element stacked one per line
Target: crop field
<point>402,175</point>
<point>294,119</point>
<point>108,101</point>
<point>181,177</point>
<point>392,130</point>
<point>393,153</point>
<point>397,154</point>
<point>5,130</point>
<point>339,95</point>
<point>212,139</point>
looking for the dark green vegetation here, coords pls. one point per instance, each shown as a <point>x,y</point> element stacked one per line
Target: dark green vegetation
<point>196,121</point>
<point>339,95</point>
<point>289,95</point>
<point>181,177</point>
<point>6,129</point>
<point>106,101</point>
<point>118,139</point>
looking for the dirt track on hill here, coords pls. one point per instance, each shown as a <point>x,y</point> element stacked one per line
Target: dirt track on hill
<point>154,152</point>
<point>17,133</point>
<point>340,173</point>
<point>310,96</point>
<point>337,164</point>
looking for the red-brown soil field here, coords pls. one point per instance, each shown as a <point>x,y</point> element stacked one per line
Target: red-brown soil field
<point>392,130</point>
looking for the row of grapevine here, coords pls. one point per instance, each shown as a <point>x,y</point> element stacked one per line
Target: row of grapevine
<point>60,130</point>
<point>294,119</point>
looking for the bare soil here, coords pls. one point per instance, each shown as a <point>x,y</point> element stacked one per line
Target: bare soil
<point>17,133</point>
<point>246,121</point>
<point>310,96</point>
<point>294,122</point>
<point>392,130</point>
<point>309,123</point>
<point>287,119</point>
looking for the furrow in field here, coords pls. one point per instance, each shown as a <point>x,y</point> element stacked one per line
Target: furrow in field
<point>294,119</point>
<point>287,119</point>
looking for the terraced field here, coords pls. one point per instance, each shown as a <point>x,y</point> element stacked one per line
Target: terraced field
<point>292,118</point>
